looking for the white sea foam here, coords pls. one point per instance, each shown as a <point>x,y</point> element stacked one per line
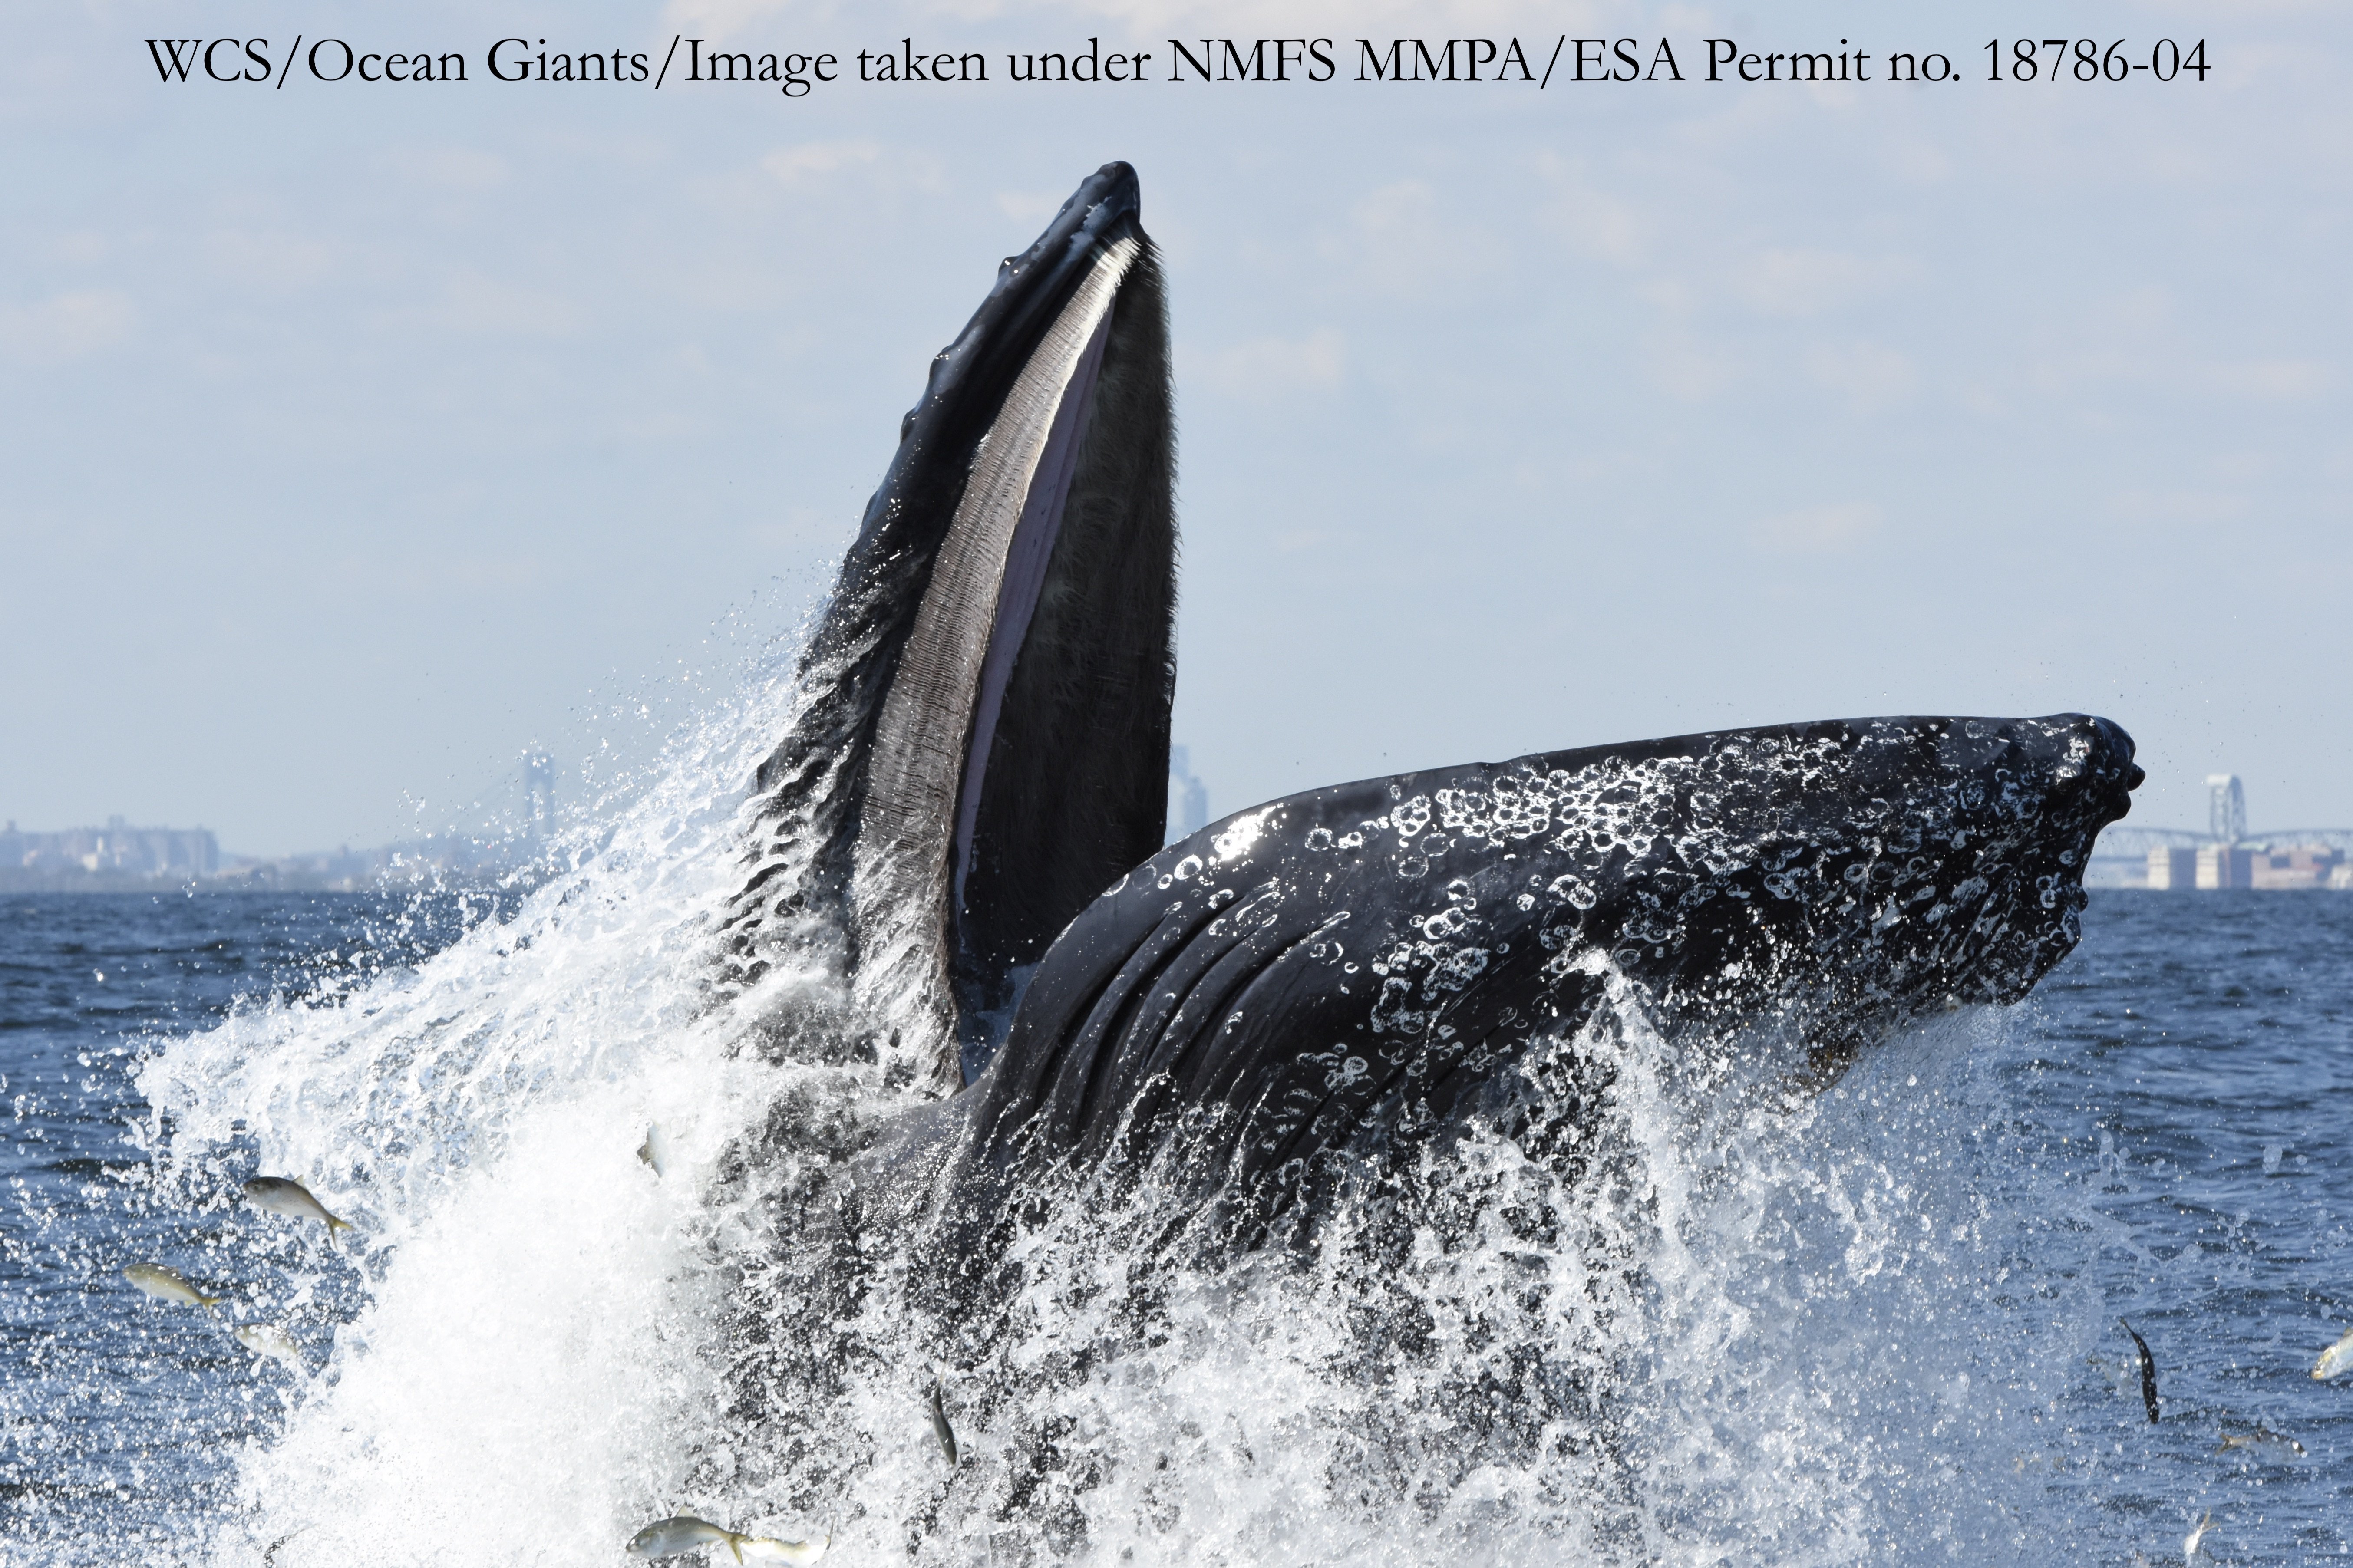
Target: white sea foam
<point>1727,1324</point>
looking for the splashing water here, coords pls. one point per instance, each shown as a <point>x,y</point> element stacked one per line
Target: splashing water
<point>535,1338</point>
<point>1716,1321</point>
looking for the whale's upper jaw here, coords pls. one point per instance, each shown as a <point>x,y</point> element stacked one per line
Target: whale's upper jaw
<point>1365,962</point>
<point>984,738</point>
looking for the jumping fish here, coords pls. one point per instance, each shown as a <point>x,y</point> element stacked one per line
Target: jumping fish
<point>2260,1438</point>
<point>2196,1539</point>
<point>655,1150</point>
<point>264,1340</point>
<point>2147,1372</point>
<point>683,1533</point>
<point>940,1427</point>
<point>283,1194</point>
<point>2338,1358</point>
<point>168,1285</point>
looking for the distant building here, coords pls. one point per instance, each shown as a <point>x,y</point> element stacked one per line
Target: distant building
<point>2172,868</point>
<point>115,852</point>
<point>1188,797</point>
<point>2221,866</point>
<point>447,860</point>
<point>2296,867</point>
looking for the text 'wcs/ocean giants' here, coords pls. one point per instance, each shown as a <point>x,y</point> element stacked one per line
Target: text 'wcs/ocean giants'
<point>1502,61</point>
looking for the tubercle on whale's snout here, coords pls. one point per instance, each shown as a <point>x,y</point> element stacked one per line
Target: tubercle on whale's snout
<point>2112,769</point>
<point>2116,747</point>
<point>2082,767</point>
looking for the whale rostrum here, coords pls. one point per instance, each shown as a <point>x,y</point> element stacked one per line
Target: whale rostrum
<point>968,811</point>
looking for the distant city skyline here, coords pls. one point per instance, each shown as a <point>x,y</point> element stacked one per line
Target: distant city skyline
<point>355,443</point>
<point>121,854</point>
<point>533,818</point>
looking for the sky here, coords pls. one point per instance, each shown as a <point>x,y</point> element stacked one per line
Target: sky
<point>359,435</point>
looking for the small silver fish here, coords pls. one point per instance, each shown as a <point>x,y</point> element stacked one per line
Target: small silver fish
<point>2196,1538</point>
<point>940,1427</point>
<point>655,1150</point>
<point>683,1532</point>
<point>264,1340</point>
<point>283,1194</point>
<point>168,1285</point>
<point>2338,1358</point>
<point>2260,1438</point>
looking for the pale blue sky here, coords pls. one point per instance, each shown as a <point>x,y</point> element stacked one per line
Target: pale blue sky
<point>358,436</point>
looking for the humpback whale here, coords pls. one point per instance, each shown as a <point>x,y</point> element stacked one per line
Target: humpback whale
<point>963,825</point>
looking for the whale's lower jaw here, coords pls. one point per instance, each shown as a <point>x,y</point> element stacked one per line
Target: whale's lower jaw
<point>1358,968</point>
<point>983,738</point>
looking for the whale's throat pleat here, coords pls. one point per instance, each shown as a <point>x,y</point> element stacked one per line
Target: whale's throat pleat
<point>940,721</point>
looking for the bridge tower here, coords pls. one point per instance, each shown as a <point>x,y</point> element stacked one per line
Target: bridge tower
<point>2226,807</point>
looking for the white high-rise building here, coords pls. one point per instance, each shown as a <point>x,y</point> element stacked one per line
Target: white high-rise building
<point>1188,797</point>
<point>538,794</point>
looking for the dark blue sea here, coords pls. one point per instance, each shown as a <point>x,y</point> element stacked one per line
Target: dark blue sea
<point>1886,1327</point>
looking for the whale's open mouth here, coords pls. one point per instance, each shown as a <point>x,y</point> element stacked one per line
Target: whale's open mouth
<point>1001,640</point>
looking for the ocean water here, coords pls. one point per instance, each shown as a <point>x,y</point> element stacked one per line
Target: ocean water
<point>1880,1324</point>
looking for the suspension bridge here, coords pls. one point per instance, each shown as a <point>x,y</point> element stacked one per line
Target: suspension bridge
<point>2225,855</point>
